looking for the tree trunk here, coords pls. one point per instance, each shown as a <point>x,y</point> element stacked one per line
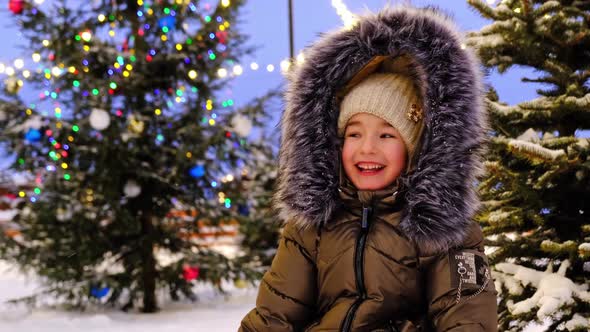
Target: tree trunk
<point>148,262</point>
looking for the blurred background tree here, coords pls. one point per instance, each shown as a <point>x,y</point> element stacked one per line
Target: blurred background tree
<point>129,124</point>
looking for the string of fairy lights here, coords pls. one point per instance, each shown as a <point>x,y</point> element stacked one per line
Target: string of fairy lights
<point>17,68</point>
<point>119,71</point>
<point>347,17</point>
<point>122,68</point>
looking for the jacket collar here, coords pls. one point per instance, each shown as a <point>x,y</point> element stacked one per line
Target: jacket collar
<point>386,203</point>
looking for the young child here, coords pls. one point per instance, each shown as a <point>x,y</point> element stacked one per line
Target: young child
<point>381,145</point>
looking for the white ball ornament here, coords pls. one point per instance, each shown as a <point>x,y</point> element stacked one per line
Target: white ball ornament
<point>241,125</point>
<point>99,119</point>
<point>132,189</point>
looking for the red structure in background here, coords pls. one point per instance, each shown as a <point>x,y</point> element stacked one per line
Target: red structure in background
<point>202,231</point>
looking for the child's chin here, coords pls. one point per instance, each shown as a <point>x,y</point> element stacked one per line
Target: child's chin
<point>364,185</point>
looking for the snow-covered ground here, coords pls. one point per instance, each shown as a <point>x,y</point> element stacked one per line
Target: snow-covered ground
<point>213,312</point>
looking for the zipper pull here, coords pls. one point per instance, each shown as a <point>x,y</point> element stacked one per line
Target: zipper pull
<point>365,220</point>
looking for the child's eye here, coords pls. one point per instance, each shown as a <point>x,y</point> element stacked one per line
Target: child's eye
<point>387,136</point>
<point>352,135</point>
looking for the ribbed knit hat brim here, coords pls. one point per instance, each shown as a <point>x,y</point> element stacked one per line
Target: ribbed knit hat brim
<point>390,96</point>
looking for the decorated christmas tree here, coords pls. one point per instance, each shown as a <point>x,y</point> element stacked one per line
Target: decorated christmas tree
<point>123,117</point>
<point>536,188</point>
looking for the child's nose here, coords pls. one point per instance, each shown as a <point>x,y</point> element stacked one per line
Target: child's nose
<point>368,145</point>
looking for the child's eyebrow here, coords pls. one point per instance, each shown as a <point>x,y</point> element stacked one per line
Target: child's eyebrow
<point>353,123</point>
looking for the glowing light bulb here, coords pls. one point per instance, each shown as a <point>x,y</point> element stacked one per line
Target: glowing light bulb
<point>56,71</point>
<point>19,63</point>
<point>347,17</point>
<point>300,58</point>
<point>86,36</point>
<point>285,65</point>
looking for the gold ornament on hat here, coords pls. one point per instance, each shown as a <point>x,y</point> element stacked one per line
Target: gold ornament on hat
<point>415,113</point>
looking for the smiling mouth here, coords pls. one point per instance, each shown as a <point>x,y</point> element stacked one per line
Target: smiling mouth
<point>372,168</point>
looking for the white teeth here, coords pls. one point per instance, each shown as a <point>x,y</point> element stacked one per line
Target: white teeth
<point>370,167</point>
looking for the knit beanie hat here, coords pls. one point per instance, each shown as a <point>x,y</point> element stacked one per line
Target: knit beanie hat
<point>390,96</point>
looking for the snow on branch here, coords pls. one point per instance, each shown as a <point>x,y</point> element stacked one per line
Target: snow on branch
<point>554,290</point>
<point>535,150</point>
<point>489,41</point>
<point>582,102</point>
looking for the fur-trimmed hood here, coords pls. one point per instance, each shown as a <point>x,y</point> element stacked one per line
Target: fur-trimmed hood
<point>440,196</point>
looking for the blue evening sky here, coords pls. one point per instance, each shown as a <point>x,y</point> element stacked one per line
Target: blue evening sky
<point>266,22</point>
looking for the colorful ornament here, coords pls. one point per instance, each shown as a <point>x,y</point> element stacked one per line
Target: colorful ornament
<point>99,292</point>
<point>126,45</point>
<point>190,272</point>
<point>243,210</point>
<point>132,189</point>
<point>242,125</point>
<point>12,85</point>
<point>33,135</point>
<point>16,6</point>
<point>168,22</point>
<point>136,126</point>
<point>99,119</point>
<point>222,36</point>
<point>197,171</point>
<point>240,283</point>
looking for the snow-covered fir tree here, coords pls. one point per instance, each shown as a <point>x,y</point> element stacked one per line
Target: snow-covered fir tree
<point>127,121</point>
<point>536,188</point>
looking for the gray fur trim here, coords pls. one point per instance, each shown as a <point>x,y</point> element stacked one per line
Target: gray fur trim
<point>441,199</point>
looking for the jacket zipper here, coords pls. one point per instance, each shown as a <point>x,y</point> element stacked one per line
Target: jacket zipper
<point>391,328</point>
<point>359,256</point>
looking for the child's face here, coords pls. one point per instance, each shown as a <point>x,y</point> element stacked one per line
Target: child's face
<point>374,154</point>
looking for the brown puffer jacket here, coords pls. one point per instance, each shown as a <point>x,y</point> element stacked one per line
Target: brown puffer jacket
<point>360,273</point>
<point>379,261</point>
